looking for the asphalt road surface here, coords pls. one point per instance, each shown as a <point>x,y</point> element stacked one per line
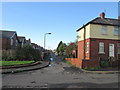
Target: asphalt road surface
<point>59,75</point>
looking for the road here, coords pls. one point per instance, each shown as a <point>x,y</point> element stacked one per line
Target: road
<point>59,75</point>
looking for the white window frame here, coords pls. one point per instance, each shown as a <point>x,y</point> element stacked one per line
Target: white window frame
<point>101,47</point>
<point>118,46</point>
<point>86,47</point>
<point>104,29</point>
<point>116,30</point>
<point>11,41</point>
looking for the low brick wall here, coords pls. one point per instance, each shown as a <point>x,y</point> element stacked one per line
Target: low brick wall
<point>90,63</point>
<point>83,63</point>
<point>75,61</point>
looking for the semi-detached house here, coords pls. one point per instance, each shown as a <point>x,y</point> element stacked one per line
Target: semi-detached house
<point>98,39</point>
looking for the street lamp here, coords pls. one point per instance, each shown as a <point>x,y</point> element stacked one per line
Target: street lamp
<point>45,38</point>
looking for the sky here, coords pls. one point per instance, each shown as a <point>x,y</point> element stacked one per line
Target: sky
<point>61,19</point>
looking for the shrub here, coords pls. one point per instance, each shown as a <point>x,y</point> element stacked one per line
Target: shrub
<point>104,63</point>
<point>27,53</point>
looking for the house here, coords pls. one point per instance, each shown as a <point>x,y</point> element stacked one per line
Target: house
<point>22,40</point>
<point>9,39</point>
<point>98,39</point>
<point>9,42</point>
<point>33,45</point>
<point>28,41</point>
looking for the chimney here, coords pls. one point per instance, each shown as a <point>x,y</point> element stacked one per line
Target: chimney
<point>29,40</point>
<point>102,15</point>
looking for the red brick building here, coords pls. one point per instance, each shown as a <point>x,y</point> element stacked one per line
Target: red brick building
<point>98,39</point>
<point>22,40</point>
<point>9,40</point>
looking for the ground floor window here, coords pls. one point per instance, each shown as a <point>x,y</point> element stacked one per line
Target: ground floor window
<point>101,47</point>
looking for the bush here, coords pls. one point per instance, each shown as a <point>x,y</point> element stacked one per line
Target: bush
<point>104,63</point>
<point>27,53</point>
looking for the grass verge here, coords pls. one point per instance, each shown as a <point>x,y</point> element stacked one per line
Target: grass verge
<point>11,63</point>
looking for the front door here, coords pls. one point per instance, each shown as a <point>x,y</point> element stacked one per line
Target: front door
<point>111,50</point>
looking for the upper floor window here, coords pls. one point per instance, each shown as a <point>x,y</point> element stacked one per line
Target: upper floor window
<point>11,42</point>
<point>115,30</point>
<point>104,29</point>
<point>101,47</point>
<point>118,45</point>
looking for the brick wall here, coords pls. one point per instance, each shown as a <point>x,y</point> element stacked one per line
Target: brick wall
<point>75,61</point>
<point>81,49</point>
<point>94,48</point>
<point>83,63</point>
<point>90,63</point>
<point>5,43</point>
<point>92,57</point>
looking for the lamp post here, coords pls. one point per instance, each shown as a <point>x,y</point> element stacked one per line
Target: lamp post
<point>45,38</point>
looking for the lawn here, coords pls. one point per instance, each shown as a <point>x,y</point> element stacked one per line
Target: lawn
<point>9,63</point>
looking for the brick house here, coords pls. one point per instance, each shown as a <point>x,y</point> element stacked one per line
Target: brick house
<point>98,39</point>
<point>22,40</point>
<point>35,46</point>
<point>28,41</point>
<point>9,42</point>
<point>9,39</point>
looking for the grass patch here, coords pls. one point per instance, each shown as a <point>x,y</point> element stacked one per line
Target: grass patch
<point>10,63</point>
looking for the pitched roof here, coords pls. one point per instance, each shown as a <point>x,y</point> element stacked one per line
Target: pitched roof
<point>21,38</point>
<point>6,34</point>
<point>103,21</point>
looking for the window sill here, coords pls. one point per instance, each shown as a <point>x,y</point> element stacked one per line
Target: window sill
<point>101,52</point>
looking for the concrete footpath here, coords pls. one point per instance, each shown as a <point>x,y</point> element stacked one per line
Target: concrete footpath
<point>40,65</point>
<point>103,71</point>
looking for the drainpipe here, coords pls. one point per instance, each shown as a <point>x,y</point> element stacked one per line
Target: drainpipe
<point>84,56</point>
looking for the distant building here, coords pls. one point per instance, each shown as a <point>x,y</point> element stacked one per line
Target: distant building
<point>22,40</point>
<point>28,41</point>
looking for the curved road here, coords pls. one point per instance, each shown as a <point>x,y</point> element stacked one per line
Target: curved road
<point>59,75</point>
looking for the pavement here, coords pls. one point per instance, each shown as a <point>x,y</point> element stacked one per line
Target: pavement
<point>21,68</point>
<point>102,71</point>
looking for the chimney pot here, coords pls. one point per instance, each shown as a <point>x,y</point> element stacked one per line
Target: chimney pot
<point>102,15</point>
